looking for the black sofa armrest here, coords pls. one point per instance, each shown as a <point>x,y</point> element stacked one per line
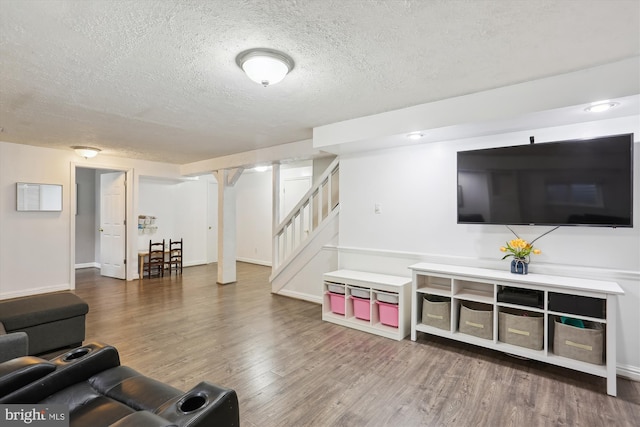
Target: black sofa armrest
<point>72,367</point>
<point>19,372</point>
<point>143,419</point>
<point>13,344</point>
<point>204,405</point>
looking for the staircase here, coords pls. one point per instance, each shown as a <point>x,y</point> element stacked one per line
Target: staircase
<point>298,259</point>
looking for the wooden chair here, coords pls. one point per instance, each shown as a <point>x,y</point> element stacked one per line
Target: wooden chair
<point>156,259</point>
<point>175,256</point>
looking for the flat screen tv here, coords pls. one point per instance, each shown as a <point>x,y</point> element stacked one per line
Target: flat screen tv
<point>578,182</point>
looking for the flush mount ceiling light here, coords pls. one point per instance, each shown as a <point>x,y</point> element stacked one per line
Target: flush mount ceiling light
<point>265,66</point>
<point>261,168</point>
<point>415,135</point>
<point>86,152</point>
<point>600,106</point>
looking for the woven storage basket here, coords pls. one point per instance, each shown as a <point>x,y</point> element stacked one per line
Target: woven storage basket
<point>585,344</point>
<point>476,319</point>
<point>524,329</point>
<point>436,312</point>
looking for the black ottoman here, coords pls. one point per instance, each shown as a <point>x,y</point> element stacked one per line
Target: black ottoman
<point>51,321</point>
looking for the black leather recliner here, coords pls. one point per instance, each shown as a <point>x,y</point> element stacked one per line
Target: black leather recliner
<point>100,392</point>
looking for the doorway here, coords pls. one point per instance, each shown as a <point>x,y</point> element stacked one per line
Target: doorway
<point>99,230</point>
<point>112,232</point>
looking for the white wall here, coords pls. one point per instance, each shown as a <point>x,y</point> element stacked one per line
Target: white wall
<point>157,198</point>
<point>253,217</point>
<point>180,208</point>
<point>49,238</point>
<point>46,237</point>
<point>254,196</point>
<point>190,220</point>
<point>416,190</point>
<point>34,246</point>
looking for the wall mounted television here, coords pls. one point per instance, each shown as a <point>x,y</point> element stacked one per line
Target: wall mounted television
<point>586,182</point>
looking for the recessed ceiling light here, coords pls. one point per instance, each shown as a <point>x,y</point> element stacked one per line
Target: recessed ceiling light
<point>600,106</point>
<point>261,168</point>
<point>415,135</point>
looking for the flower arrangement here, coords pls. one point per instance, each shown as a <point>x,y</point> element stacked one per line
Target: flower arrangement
<point>519,249</point>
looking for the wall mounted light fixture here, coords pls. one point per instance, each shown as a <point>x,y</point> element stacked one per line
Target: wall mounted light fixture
<point>86,152</point>
<point>265,66</point>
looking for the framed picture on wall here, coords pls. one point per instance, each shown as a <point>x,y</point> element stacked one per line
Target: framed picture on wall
<point>32,197</point>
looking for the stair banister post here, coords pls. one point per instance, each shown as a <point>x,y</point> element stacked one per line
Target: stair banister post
<point>329,186</point>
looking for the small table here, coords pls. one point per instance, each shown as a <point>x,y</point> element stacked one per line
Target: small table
<point>141,257</point>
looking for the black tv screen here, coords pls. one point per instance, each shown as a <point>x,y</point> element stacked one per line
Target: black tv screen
<point>578,182</point>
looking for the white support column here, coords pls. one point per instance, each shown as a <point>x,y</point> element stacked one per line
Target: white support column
<point>275,214</point>
<point>227,224</point>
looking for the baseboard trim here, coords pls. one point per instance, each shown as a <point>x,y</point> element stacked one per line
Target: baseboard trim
<point>629,372</point>
<point>254,261</point>
<point>97,265</point>
<point>194,263</point>
<point>299,295</point>
<point>87,265</point>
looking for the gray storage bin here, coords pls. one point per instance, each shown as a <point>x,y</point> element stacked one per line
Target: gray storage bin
<point>336,288</point>
<point>361,292</point>
<point>436,311</point>
<point>521,328</point>
<point>584,344</point>
<point>476,319</point>
<point>387,297</point>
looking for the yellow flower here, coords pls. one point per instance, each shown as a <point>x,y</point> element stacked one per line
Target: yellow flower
<point>519,249</point>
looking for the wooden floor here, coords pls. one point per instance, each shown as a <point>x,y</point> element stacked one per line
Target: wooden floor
<point>290,368</point>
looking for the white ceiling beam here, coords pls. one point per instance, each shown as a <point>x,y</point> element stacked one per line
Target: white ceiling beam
<point>463,115</point>
<point>300,150</point>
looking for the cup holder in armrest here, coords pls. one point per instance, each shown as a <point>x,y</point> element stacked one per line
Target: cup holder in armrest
<point>204,405</point>
<point>192,402</point>
<point>76,354</point>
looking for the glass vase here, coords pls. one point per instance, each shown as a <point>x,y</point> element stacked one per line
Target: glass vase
<point>519,266</point>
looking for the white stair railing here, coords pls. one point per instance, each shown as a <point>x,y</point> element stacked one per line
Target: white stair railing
<point>305,218</point>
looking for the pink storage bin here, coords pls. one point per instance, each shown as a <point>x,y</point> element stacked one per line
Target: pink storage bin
<point>388,313</point>
<point>337,303</point>
<point>361,308</point>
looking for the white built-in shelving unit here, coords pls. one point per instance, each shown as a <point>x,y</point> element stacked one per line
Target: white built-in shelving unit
<point>377,287</point>
<point>462,284</point>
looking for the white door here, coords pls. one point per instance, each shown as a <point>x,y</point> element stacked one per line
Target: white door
<point>112,225</point>
<point>292,191</point>
<point>212,222</point>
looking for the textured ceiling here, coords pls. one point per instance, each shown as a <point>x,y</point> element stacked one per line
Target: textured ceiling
<point>157,79</point>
